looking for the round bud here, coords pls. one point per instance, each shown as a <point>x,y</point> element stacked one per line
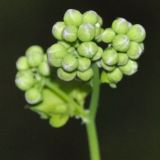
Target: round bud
<point>121,43</point>
<point>72,51</point>
<point>136,33</point>
<point>86,75</point>
<point>107,67</point>
<point>122,59</point>
<point>108,35</point>
<point>70,33</point>
<point>44,69</point>
<point>110,56</point>
<point>100,21</point>
<point>58,120</point>
<point>135,50</point>
<point>120,26</point>
<point>24,80</point>
<point>57,30</point>
<point>83,64</point>
<point>142,46</point>
<point>130,68</point>
<point>90,17</point>
<point>115,76</point>
<point>22,63</point>
<point>98,55</point>
<point>87,49</point>
<point>97,31</point>
<point>86,32</point>
<point>66,76</point>
<point>129,25</point>
<point>98,38</point>
<point>64,44</point>
<point>34,55</point>
<point>33,96</point>
<point>73,17</point>
<point>69,63</point>
<point>55,54</point>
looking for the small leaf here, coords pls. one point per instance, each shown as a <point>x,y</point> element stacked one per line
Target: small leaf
<point>104,77</point>
<point>58,121</point>
<point>52,104</point>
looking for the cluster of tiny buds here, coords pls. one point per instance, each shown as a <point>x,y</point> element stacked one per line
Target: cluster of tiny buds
<point>77,49</point>
<point>32,68</point>
<point>125,46</point>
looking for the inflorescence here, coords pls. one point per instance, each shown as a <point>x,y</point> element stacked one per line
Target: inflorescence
<point>79,38</point>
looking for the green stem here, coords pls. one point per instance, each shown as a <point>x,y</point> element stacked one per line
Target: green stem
<point>91,126</point>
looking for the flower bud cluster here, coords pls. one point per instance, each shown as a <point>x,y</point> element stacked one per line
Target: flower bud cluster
<point>125,46</point>
<point>31,69</point>
<point>75,50</point>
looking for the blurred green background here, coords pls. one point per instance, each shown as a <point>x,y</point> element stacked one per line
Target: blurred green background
<point>129,117</point>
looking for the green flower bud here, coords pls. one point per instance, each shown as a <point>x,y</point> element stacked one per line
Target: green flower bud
<point>110,56</point>
<point>87,49</point>
<point>86,32</point>
<point>73,17</point>
<point>72,51</point>
<point>83,64</point>
<point>98,38</point>
<point>130,68</point>
<point>121,43</point>
<point>66,76</point>
<point>33,96</point>
<point>90,17</point>
<point>97,31</point>
<point>58,121</point>
<point>24,80</point>
<point>86,75</point>
<point>22,63</point>
<point>44,69</point>
<point>120,26</point>
<point>107,67</point>
<point>108,35</point>
<point>69,63</point>
<point>99,64</point>
<point>122,59</point>
<point>57,30</point>
<point>64,44</point>
<point>136,33</point>
<point>129,25</point>
<point>98,55</point>
<point>135,50</point>
<point>142,46</point>
<point>34,55</point>
<point>115,76</point>
<point>70,33</point>
<point>55,54</point>
<point>100,21</point>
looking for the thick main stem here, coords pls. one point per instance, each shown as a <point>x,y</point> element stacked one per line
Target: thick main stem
<point>91,125</point>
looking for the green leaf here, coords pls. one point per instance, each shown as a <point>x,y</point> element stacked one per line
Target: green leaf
<point>58,120</point>
<point>52,104</point>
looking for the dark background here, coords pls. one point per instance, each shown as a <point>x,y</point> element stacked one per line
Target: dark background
<point>129,117</point>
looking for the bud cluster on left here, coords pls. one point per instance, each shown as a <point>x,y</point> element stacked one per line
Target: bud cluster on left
<point>32,68</point>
